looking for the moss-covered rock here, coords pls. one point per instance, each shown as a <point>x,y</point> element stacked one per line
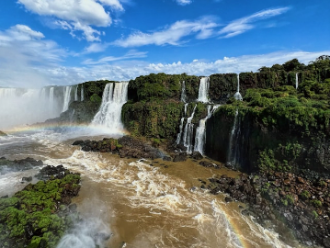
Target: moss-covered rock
<point>33,216</point>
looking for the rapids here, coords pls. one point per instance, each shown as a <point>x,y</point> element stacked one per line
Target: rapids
<point>140,203</point>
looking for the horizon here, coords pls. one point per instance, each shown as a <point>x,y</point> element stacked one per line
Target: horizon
<point>45,43</point>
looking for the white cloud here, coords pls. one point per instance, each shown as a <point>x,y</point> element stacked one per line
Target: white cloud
<point>96,48</point>
<point>130,55</point>
<point>184,2</point>
<point>171,35</point>
<point>76,15</point>
<point>244,24</point>
<point>22,50</point>
<point>126,70</point>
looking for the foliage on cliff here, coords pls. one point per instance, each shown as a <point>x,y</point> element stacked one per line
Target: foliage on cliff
<point>31,218</point>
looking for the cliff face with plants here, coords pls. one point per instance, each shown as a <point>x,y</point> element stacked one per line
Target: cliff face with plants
<point>277,127</point>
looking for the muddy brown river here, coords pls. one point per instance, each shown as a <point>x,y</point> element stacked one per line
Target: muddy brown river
<point>142,203</point>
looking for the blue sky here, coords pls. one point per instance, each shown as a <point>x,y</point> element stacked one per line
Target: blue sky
<point>46,42</point>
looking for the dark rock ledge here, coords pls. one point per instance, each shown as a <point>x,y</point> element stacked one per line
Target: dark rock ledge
<point>301,204</point>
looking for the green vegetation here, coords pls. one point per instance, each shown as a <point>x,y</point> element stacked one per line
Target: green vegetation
<point>30,216</point>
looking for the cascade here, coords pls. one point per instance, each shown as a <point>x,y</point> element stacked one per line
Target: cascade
<point>76,94</point>
<point>238,95</point>
<point>203,89</point>
<point>82,93</point>
<point>67,98</point>
<point>183,92</point>
<point>178,138</point>
<point>109,114</point>
<point>233,155</point>
<point>16,105</point>
<point>201,130</point>
<point>189,133</point>
<point>297,82</point>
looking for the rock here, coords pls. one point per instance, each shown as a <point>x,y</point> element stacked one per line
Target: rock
<point>228,199</point>
<point>73,208</point>
<point>197,155</point>
<point>167,158</point>
<point>180,157</point>
<point>2,134</point>
<point>26,179</point>
<point>301,180</point>
<point>78,143</point>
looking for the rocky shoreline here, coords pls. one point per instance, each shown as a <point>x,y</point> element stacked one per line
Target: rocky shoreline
<point>301,204</point>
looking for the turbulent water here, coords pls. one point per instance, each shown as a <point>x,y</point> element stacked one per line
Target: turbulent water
<point>139,204</point>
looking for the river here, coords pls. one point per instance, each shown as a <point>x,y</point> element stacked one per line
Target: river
<point>142,203</point>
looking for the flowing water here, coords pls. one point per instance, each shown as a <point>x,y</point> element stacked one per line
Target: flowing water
<point>233,151</point>
<point>189,133</point>
<point>67,98</point>
<point>142,203</point>
<point>30,105</point>
<point>82,97</point>
<point>201,130</point>
<point>238,95</point>
<point>109,114</point>
<point>203,89</point>
<point>179,136</point>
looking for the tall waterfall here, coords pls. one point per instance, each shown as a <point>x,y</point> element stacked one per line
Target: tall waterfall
<point>82,97</point>
<point>27,106</point>
<point>189,133</point>
<point>297,81</point>
<point>201,130</point>
<point>203,89</point>
<point>76,94</point>
<point>109,114</point>
<point>67,98</point>
<point>178,138</point>
<point>183,92</point>
<point>233,155</point>
<point>238,95</point>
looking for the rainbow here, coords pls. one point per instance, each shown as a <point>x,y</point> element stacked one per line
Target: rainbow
<point>87,127</point>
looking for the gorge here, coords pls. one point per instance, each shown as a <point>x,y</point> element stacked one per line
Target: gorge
<point>262,124</point>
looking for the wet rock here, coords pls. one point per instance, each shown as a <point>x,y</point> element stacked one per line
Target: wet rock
<point>50,172</point>
<point>2,134</point>
<point>26,179</point>
<point>78,143</point>
<point>73,208</point>
<point>228,199</point>
<point>167,158</point>
<point>197,155</point>
<point>180,157</point>
<point>18,165</point>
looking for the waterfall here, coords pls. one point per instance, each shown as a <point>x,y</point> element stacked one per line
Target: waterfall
<point>76,94</point>
<point>67,98</point>
<point>297,82</point>
<point>109,114</point>
<point>183,92</point>
<point>178,138</point>
<point>82,98</point>
<point>189,133</point>
<point>16,105</point>
<point>232,156</point>
<point>203,89</point>
<point>238,95</point>
<point>201,130</point>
